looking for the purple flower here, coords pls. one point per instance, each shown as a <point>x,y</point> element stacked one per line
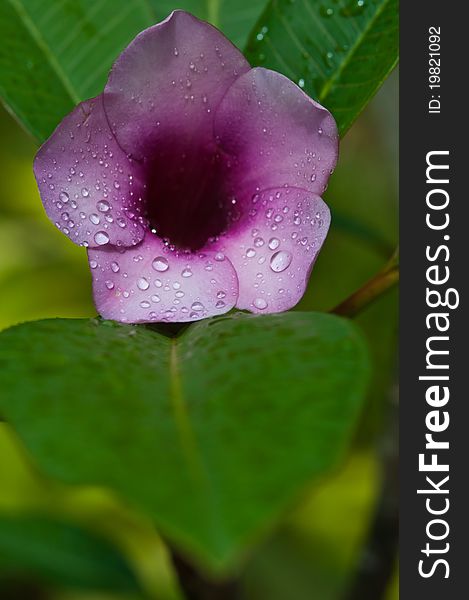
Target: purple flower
<point>193,180</point>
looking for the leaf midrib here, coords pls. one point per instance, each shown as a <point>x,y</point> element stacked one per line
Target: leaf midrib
<point>347,59</point>
<point>213,12</point>
<point>18,6</point>
<point>180,409</point>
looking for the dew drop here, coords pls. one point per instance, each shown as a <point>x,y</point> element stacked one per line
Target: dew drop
<point>186,272</point>
<point>258,242</point>
<point>109,285</point>
<point>145,304</point>
<point>280,261</point>
<point>197,306</point>
<point>260,303</point>
<point>85,193</point>
<point>250,252</point>
<point>101,238</point>
<point>93,264</point>
<point>142,284</point>
<point>103,206</point>
<point>115,267</point>
<point>274,243</point>
<point>64,197</point>
<point>160,264</point>
<point>94,219</point>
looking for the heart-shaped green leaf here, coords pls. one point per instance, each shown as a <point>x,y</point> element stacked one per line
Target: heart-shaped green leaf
<point>339,51</point>
<point>62,554</point>
<point>211,433</point>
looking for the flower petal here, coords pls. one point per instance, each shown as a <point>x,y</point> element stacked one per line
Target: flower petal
<point>276,134</point>
<point>274,248</point>
<point>168,82</point>
<point>89,188</point>
<point>150,283</point>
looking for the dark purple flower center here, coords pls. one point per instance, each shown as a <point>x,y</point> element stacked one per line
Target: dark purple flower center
<point>186,201</point>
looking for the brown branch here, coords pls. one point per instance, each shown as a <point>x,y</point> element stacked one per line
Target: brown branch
<point>373,289</point>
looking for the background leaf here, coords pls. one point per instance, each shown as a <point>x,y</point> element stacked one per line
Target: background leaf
<point>339,51</point>
<point>55,54</point>
<point>58,553</point>
<point>234,17</point>
<point>212,433</point>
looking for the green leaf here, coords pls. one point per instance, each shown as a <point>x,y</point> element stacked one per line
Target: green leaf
<point>339,51</point>
<point>55,54</point>
<point>234,17</point>
<point>212,433</point>
<point>62,554</point>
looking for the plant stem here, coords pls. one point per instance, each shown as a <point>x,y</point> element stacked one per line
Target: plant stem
<point>197,587</point>
<point>377,561</point>
<point>373,289</point>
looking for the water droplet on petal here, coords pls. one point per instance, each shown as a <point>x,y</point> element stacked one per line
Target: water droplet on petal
<point>109,284</point>
<point>85,193</point>
<point>197,306</point>
<point>186,272</point>
<point>142,284</point>
<point>274,243</point>
<point>115,267</point>
<point>250,252</point>
<point>103,206</point>
<point>260,303</point>
<point>160,264</point>
<point>64,197</point>
<point>93,264</point>
<point>101,238</point>
<point>280,261</point>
